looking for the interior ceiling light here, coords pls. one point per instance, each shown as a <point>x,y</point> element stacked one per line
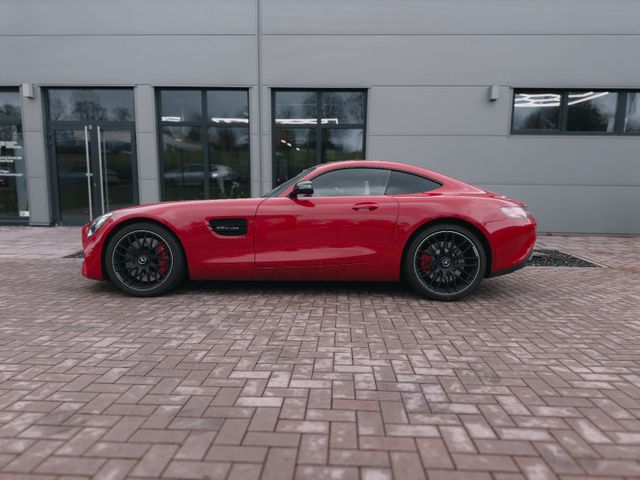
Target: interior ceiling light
<point>537,100</point>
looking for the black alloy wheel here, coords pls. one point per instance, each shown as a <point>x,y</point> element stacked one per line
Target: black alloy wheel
<point>445,262</point>
<point>144,259</point>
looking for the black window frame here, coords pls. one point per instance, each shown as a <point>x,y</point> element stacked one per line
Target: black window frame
<point>7,219</point>
<point>386,189</point>
<point>621,107</point>
<point>319,126</point>
<point>204,124</point>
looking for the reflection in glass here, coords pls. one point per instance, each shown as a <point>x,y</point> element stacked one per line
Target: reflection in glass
<point>229,162</point>
<point>228,106</point>
<point>350,182</point>
<point>68,104</point>
<point>591,111</point>
<point>117,161</point>
<point>632,113</point>
<point>295,150</point>
<point>342,144</point>
<point>71,159</point>
<point>296,108</point>
<point>181,105</point>
<point>339,108</point>
<point>10,107</point>
<point>404,183</point>
<point>183,163</point>
<point>13,182</point>
<point>536,111</point>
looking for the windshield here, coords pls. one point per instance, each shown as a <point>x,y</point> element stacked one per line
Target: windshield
<point>283,186</point>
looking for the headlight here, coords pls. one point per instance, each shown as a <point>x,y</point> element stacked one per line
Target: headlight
<point>97,223</point>
<point>515,212</point>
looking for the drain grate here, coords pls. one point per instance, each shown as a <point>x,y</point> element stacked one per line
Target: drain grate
<point>75,255</point>
<point>556,258</point>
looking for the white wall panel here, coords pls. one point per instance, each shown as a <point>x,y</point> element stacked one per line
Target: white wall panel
<point>568,209</point>
<point>522,160</point>
<point>451,16</point>
<point>125,17</point>
<point>405,60</point>
<point>129,60</point>
<point>437,111</point>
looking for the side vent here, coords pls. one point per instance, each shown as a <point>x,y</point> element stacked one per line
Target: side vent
<point>229,227</point>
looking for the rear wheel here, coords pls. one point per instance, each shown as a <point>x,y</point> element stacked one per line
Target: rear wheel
<point>445,262</point>
<point>144,259</point>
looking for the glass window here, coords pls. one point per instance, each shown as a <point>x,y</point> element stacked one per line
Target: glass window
<point>591,111</point>
<point>283,186</point>
<point>295,150</point>
<point>316,126</point>
<point>10,106</point>
<point>632,113</point>
<point>183,167</point>
<point>401,182</point>
<point>208,155</point>
<point>84,104</point>
<point>296,108</point>
<point>180,106</point>
<point>351,182</point>
<point>536,110</point>
<point>342,144</point>
<point>339,108</point>
<point>229,162</point>
<point>13,180</point>
<point>225,106</point>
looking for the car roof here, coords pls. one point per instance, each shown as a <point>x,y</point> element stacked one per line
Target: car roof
<point>325,167</point>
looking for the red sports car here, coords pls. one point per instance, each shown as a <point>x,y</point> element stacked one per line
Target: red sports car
<point>355,220</point>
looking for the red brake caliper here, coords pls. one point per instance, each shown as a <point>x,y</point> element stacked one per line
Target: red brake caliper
<point>425,262</point>
<point>162,252</point>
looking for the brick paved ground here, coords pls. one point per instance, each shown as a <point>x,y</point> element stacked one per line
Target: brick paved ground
<point>535,376</point>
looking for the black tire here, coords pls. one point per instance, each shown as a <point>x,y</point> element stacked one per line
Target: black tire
<point>144,259</point>
<point>445,262</point>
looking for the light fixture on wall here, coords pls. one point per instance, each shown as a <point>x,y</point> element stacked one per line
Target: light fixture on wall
<point>27,90</point>
<point>494,93</point>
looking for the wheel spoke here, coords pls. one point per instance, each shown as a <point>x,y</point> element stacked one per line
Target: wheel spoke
<point>142,259</point>
<point>454,262</point>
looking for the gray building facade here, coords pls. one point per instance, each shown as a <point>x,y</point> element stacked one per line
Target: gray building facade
<point>161,99</point>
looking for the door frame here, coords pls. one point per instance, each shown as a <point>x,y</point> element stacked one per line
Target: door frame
<point>52,125</point>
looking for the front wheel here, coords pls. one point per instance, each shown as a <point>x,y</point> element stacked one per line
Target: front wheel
<point>144,259</point>
<point>445,262</point>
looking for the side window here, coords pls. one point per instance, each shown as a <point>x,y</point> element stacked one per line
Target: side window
<point>401,182</point>
<point>351,182</point>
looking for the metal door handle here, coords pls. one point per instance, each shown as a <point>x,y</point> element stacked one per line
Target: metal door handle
<point>89,174</point>
<point>102,187</point>
<point>365,207</point>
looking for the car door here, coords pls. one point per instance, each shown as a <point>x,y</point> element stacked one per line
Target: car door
<point>348,219</point>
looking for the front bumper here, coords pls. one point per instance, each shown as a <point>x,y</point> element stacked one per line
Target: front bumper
<point>92,249</point>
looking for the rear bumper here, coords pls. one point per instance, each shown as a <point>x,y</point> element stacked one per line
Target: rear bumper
<point>513,247</point>
<point>511,269</point>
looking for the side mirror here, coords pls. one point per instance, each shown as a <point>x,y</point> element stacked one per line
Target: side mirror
<point>303,188</point>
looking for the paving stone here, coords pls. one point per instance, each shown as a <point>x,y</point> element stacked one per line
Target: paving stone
<point>537,375</point>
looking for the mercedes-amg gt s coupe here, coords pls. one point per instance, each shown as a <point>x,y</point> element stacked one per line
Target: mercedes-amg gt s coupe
<point>351,220</point>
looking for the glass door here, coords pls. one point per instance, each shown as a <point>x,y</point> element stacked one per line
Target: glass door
<point>75,174</point>
<point>95,171</point>
<point>92,151</point>
<point>116,153</point>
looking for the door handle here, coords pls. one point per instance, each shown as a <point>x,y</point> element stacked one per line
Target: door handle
<point>102,174</point>
<point>89,174</point>
<point>365,207</point>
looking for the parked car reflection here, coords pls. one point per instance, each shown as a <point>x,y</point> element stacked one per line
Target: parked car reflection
<point>223,177</point>
<point>76,175</point>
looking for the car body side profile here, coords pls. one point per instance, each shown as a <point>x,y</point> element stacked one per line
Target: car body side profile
<point>351,220</point>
